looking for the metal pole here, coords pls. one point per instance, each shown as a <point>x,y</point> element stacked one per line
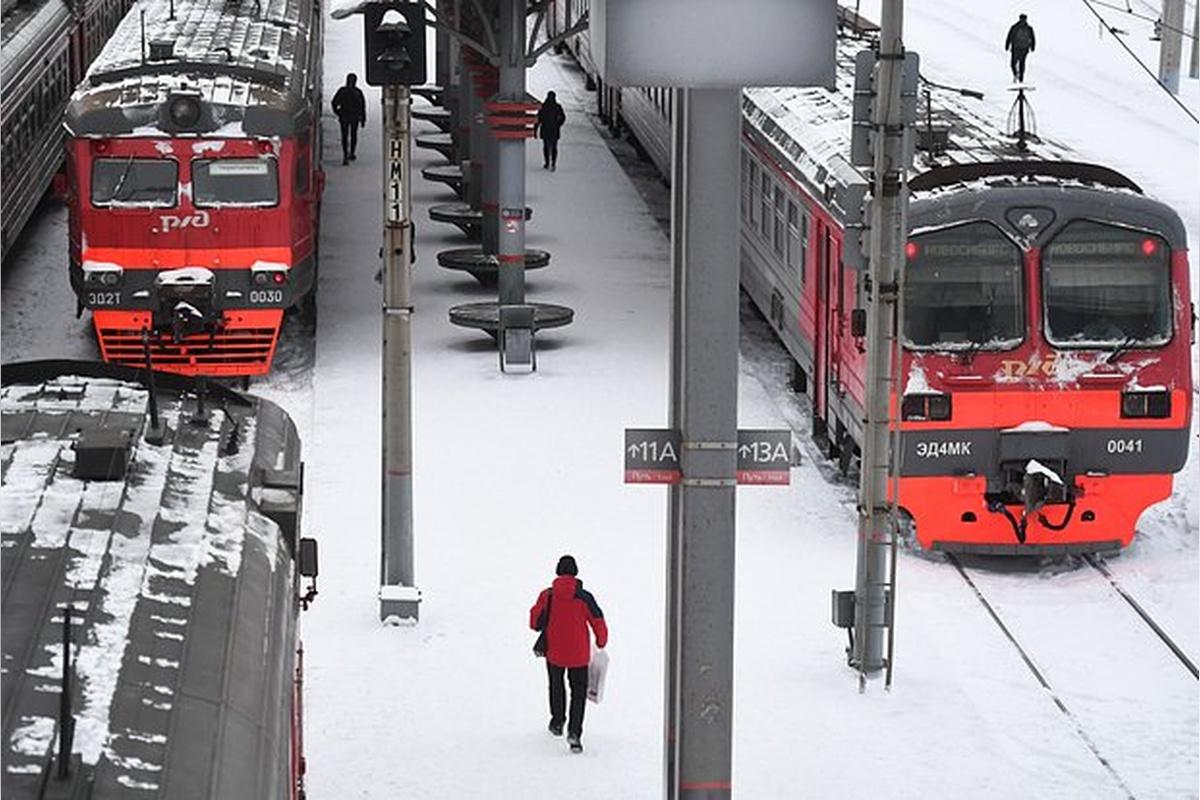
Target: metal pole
<point>700,582</point>
<point>1194,69</point>
<point>1170,54</point>
<point>398,597</point>
<point>510,226</point>
<point>888,232</point>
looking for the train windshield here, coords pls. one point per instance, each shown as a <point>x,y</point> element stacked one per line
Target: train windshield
<point>134,182</point>
<point>963,290</point>
<point>1106,286</point>
<point>235,182</point>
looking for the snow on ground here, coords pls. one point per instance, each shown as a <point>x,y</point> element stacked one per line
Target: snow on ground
<point>512,471</point>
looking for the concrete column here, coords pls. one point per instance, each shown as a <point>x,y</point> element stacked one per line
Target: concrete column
<point>398,595</point>
<point>1170,54</point>
<point>889,230</point>
<point>704,357</point>
<point>511,159</point>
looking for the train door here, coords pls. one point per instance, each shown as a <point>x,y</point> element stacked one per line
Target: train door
<point>835,281</point>
<point>827,327</point>
<point>821,333</point>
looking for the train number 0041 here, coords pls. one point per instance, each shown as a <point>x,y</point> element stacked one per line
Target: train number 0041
<point>266,295</point>
<point>1123,446</point>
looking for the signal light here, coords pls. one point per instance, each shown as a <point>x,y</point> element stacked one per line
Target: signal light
<point>925,407</point>
<point>395,43</point>
<point>279,277</point>
<point>1146,405</point>
<point>1149,247</point>
<point>911,249</point>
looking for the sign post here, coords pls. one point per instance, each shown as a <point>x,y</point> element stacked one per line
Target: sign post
<point>706,50</point>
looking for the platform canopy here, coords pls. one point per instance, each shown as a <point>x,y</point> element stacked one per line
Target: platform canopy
<point>714,44</point>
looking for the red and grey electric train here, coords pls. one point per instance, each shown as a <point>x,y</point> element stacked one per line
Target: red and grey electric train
<point>1046,373</point>
<point>152,568</point>
<point>47,46</point>
<point>193,162</point>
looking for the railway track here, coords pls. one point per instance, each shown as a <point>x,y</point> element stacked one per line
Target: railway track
<point>1120,681</point>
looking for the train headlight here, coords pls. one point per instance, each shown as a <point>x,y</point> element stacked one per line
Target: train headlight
<point>185,112</point>
<point>934,407</point>
<point>274,275</point>
<point>1143,405</point>
<point>102,275</point>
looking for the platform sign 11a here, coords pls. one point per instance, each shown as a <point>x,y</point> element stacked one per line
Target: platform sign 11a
<point>652,455</point>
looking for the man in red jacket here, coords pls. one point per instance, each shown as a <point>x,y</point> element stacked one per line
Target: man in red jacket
<point>565,611</point>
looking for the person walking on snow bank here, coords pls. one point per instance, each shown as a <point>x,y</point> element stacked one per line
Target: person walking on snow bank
<point>550,120</point>
<point>565,611</point>
<point>351,109</point>
<point>1021,42</point>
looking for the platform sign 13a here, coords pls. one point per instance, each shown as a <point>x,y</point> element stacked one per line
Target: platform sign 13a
<point>652,455</point>
<point>764,457</point>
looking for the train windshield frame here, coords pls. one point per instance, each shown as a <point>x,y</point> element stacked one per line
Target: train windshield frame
<point>235,182</point>
<point>964,289</point>
<point>133,182</point>
<point>1106,286</point>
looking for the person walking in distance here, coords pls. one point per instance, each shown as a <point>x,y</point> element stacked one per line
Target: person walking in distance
<point>1021,42</point>
<point>565,611</point>
<point>351,109</point>
<point>550,120</point>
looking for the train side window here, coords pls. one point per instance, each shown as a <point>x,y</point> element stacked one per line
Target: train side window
<point>794,251</point>
<point>238,182</point>
<point>745,182</point>
<point>766,207</point>
<point>145,182</point>
<point>779,218</point>
<point>753,192</point>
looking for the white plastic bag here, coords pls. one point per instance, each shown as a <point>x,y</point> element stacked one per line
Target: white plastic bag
<point>596,671</point>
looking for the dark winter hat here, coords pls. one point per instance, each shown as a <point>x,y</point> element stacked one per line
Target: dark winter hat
<point>566,566</point>
<point>1022,17</point>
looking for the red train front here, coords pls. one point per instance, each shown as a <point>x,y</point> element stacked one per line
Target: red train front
<point>1047,377</point>
<point>195,178</point>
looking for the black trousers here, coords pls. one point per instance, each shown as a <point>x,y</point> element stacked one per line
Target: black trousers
<point>349,138</point>
<point>578,678</point>
<point>1018,64</point>
<point>549,152</point>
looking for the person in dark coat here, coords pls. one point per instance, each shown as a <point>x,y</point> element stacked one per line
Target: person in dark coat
<point>565,611</point>
<point>550,120</point>
<point>351,109</point>
<point>1021,42</point>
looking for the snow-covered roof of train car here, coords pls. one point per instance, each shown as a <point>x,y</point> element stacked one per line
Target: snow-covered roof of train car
<point>234,55</point>
<point>174,573</point>
<point>812,126</point>
<point>22,32</point>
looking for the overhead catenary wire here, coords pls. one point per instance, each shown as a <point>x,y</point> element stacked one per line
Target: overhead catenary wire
<point>1132,13</point>
<point>1141,63</point>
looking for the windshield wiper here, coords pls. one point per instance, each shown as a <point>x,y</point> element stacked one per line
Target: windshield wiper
<point>116,194</point>
<point>1123,346</point>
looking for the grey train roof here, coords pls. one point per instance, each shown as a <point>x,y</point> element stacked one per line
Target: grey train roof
<point>244,58</point>
<point>811,127</point>
<point>181,581</point>
<point>24,30</point>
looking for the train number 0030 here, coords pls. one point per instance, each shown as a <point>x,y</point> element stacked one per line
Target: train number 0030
<point>1123,446</point>
<point>266,295</point>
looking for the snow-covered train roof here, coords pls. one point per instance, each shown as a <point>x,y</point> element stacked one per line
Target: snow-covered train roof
<point>239,58</point>
<point>179,576</point>
<point>25,29</point>
<point>812,127</point>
